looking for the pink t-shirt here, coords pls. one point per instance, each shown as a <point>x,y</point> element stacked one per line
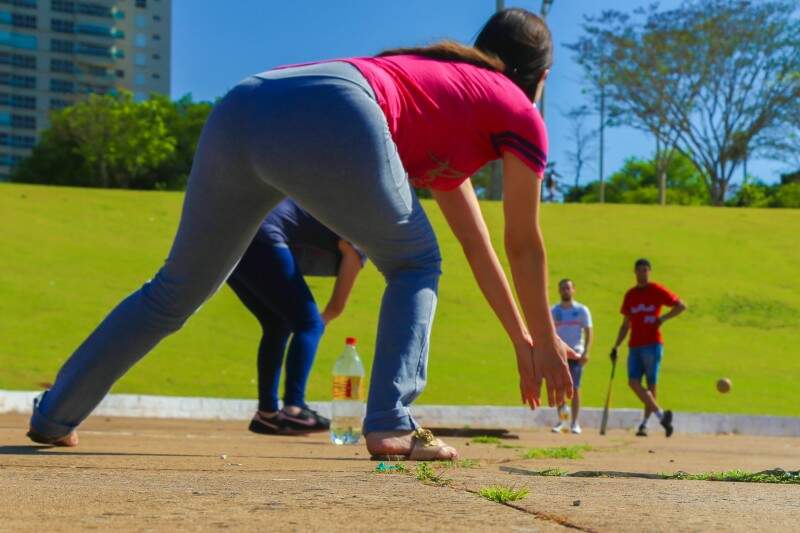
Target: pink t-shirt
<point>449,119</point>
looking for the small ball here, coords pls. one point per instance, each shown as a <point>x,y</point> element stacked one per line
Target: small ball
<point>724,385</point>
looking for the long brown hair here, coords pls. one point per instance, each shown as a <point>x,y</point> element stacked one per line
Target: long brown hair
<point>452,51</point>
<point>513,41</point>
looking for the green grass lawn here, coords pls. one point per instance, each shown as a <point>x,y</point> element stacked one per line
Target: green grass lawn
<point>69,255</point>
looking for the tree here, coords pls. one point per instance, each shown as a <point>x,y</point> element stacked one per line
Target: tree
<point>118,139</point>
<point>637,182</point>
<point>710,78</point>
<point>582,137</point>
<point>112,141</point>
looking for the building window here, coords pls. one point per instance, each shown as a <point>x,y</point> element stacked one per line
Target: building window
<point>156,37</point>
<point>18,60</point>
<point>62,86</point>
<point>18,100</point>
<point>62,6</point>
<point>20,3</point>
<point>95,10</point>
<point>141,3</point>
<point>91,49</point>
<point>120,73</point>
<point>139,79</point>
<point>99,72</point>
<point>140,59</point>
<point>17,141</point>
<point>156,56</point>
<point>156,18</point>
<point>62,26</point>
<point>141,21</point>
<point>94,29</point>
<point>141,40</point>
<point>23,122</point>
<point>65,47</point>
<point>156,76</point>
<point>62,65</point>
<point>10,160</point>
<point>18,40</point>
<point>56,103</point>
<point>91,88</point>
<point>17,19</point>
<point>16,80</point>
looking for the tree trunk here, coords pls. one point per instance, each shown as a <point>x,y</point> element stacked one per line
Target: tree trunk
<point>662,187</point>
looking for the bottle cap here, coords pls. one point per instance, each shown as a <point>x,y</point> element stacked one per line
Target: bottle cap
<point>350,341</point>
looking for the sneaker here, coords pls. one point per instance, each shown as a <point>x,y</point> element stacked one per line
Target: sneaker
<point>642,431</point>
<point>306,421</point>
<point>559,428</point>
<point>666,421</point>
<point>575,428</point>
<point>268,425</point>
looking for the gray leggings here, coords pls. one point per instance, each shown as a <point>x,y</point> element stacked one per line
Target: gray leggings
<point>315,134</point>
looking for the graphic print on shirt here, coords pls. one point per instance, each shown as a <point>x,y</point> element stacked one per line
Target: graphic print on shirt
<point>443,170</point>
<point>570,323</point>
<point>642,308</point>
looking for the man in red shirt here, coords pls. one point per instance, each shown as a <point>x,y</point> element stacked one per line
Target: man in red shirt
<point>642,311</point>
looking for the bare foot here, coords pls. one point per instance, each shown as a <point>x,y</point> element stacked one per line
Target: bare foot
<point>67,440</point>
<point>403,443</point>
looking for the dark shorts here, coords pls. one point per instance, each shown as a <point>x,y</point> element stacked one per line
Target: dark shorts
<point>645,361</point>
<point>576,371</point>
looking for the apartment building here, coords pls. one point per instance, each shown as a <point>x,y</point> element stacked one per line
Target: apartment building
<point>55,52</point>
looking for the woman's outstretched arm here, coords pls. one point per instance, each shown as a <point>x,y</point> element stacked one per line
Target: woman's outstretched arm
<point>462,212</point>
<point>528,260</point>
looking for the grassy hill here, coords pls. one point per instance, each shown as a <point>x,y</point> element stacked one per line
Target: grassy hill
<point>69,255</point>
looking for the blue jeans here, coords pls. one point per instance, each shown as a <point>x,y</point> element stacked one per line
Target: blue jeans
<point>645,361</point>
<point>315,134</point>
<point>270,285</point>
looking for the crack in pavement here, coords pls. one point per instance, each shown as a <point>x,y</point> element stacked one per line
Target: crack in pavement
<point>549,517</point>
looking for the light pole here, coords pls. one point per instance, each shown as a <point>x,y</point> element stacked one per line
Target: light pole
<point>546,5</point>
<point>496,179</point>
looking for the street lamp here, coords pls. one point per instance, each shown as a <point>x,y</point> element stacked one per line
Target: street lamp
<point>545,9</point>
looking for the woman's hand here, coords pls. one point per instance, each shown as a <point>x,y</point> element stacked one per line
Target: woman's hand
<point>550,364</point>
<point>528,390</point>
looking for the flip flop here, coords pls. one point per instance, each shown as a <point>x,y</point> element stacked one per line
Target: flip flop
<point>424,447</point>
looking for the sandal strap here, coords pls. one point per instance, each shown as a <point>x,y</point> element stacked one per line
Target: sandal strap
<point>426,438</point>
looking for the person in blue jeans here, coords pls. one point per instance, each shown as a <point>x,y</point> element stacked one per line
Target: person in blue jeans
<point>269,280</point>
<point>348,140</point>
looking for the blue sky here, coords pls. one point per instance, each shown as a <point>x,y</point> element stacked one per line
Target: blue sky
<point>218,42</point>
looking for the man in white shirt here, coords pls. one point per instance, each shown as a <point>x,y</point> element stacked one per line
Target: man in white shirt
<point>574,325</point>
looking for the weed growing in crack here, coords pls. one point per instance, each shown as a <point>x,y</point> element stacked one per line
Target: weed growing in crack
<point>425,473</point>
<point>486,439</point>
<point>501,494</point>
<point>461,463</point>
<point>560,452</point>
<point>767,476</point>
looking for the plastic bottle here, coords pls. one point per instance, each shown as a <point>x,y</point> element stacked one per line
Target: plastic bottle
<point>347,407</point>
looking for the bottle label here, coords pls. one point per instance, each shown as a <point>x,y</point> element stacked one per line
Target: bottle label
<point>348,388</point>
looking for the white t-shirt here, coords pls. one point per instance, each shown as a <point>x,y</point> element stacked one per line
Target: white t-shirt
<point>570,322</point>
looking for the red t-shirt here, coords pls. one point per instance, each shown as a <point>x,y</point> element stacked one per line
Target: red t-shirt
<point>642,306</point>
<point>448,118</point>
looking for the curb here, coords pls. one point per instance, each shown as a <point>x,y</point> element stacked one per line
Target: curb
<point>180,407</point>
